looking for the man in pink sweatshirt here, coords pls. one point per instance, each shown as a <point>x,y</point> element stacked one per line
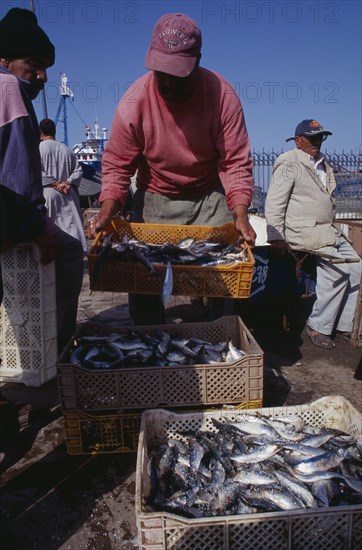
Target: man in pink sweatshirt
<point>181,129</point>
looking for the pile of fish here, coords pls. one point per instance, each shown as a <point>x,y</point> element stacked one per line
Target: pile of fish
<point>187,252</point>
<point>257,464</point>
<point>159,349</point>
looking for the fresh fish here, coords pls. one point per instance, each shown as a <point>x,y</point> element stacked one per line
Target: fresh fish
<point>180,505</point>
<point>252,428</point>
<point>325,491</point>
<point>130,344</point>
<point>96,338</point>
<point>182,346</point>
<point>167,284</point>
<point>137,356</point>
<point>197,452</point>
<point>323,462</point>
<point>226,497</point>
<point>186,243</point>
<point>300,451</point>
<point>218,474</point>
<point>254,476</point>
<point>164,344</point>
<point>234,354</point>
<point>257,455</point>
<point>285,432</point>
<point>186,252</point>
<point>354,483</point>
<point>213,448</point>
<point>297,488</point>
<point>317,440</point>
<point>217,347</point>
<point>210,357</point>
<point>99,263</point>
<point>228,471</point>
<point>280,498</point>
<point>77,356</point>
<point>176,356</point>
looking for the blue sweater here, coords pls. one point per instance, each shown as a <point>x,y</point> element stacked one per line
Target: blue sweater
<point>21,190</point>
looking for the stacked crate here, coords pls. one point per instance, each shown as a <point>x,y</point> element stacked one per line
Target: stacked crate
<point>102,408</point>
<point>28,327</point>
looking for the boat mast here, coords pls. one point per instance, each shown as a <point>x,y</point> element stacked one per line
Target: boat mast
<point>65,93</point>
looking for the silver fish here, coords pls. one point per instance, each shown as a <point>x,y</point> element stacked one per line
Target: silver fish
<point>234,354</point>
<point>254,476</point>
<point>317,440</point>
<point>131,344</point>
<point>182,346</point>
<point>164,343</point>
<point>352,482</point>
<point>326,461</point>
<point>94,338</point>
<point>324,491</point>
<point>297,488</point>
<point>167,284</point>
<point>197,452</point>
<point>257,455</point>
<point>283,499</point>
<point>235,472</point>
<point>176,357</point>
<point>252,428</point>
<point>186,243</point>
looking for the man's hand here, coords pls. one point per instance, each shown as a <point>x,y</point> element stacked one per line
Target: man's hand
<point>47,242</point>
<point>280,248</point>
<point>108,209</point>
<point>242,224</point>
<point>62,187</point>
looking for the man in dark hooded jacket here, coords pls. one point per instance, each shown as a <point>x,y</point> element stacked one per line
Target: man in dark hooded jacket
<point>25,55</point>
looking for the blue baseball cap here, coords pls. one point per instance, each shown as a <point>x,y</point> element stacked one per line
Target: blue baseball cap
<point>309,127</point>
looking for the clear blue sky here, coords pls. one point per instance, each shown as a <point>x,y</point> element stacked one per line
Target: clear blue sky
<point>287,60</point>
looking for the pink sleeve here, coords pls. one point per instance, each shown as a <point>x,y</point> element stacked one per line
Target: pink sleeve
<point>119,160</point>
<point>235,160</point>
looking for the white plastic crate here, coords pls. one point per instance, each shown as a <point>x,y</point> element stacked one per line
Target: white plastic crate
<point>331,528</point>
<point>28,327</point>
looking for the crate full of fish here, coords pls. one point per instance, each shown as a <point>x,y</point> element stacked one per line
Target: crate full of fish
<point>176,365</point>
<point>287,477</point>
<point>186,260</point>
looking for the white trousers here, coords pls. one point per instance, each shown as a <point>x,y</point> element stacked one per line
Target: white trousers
<point>337,289</point>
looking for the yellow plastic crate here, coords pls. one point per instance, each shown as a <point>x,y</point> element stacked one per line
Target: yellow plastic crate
<point>101,433</point>
<point>218,281</point>
<point>104,433</point>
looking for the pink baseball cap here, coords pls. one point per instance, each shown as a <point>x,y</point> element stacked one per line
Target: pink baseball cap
<point>175,45</point>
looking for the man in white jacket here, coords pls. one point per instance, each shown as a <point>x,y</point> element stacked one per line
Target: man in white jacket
<point>300,211</point>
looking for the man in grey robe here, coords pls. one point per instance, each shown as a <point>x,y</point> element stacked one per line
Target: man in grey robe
<point>61,175</point>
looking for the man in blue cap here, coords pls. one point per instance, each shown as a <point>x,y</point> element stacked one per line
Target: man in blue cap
<point>300,215</point>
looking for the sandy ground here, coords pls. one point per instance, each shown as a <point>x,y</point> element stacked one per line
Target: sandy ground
<point>53,501</point>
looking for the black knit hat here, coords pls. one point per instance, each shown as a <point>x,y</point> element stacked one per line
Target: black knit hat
<point>21,36</point>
